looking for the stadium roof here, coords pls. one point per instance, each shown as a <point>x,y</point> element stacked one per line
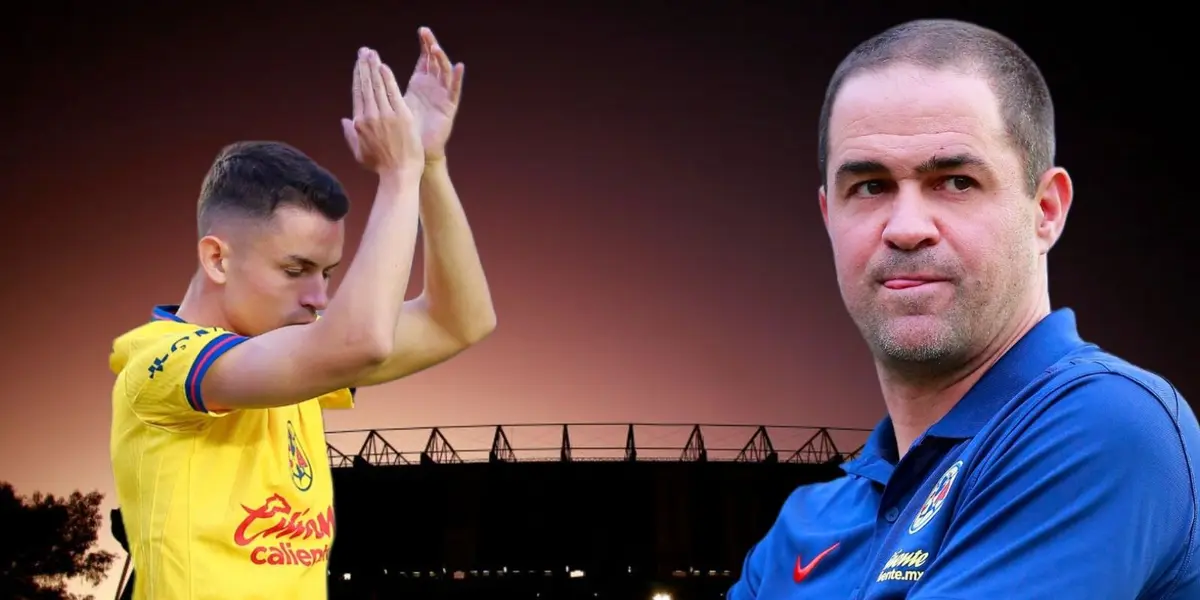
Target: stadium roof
<point>567,442</point>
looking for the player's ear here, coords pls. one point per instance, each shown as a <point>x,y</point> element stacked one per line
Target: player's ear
<point>214,256</point>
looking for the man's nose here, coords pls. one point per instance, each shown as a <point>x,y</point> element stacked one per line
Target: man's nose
<point>912,224</point>
<point>316,297</point>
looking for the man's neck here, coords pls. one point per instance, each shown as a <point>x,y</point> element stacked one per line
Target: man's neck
<point>916,403</point>
<point>201,306</point>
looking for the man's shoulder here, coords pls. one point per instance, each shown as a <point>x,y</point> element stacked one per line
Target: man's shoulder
<point>1114,389</point>
<point>158,368</point>
<point>151,333</point>
<point>155,336</point>
<point>1119,433</point>
<point>1096,412</point>
<point>161,345</point>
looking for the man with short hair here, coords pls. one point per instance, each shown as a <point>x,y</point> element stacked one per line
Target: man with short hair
<point>218,442</point>
<point>1017,460</point>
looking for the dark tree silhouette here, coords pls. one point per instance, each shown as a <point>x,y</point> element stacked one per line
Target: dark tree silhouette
<point>46,541</point>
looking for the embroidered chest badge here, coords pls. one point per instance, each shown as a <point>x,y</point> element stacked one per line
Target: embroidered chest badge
<point>298,463</point>
<point>935,500</point>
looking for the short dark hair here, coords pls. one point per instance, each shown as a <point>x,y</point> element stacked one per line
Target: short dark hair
<point>253,179</point>
<point>1020,89</point>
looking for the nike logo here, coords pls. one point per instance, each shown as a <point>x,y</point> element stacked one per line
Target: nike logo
<point>803,570</point>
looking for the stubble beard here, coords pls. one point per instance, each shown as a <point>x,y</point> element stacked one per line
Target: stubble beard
<point>935,343</point>
<point>918,341</point>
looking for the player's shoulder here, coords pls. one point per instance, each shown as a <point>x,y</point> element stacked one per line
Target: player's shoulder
<point>142,338</point>
<point>160,337</point>
<point>157,362</point>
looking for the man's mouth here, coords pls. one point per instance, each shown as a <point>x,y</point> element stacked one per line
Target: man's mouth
<point>906,282</point>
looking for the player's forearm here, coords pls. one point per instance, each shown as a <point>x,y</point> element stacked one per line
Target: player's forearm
<point>456,293</point>
<point>368,303</point>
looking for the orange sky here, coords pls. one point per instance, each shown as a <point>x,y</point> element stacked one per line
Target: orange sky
<point>643,193</point>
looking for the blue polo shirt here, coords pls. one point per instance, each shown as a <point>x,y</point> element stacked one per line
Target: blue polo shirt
<point>1065,473</point>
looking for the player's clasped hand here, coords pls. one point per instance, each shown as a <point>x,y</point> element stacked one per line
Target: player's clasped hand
<point>382,135</point>
<point>433,95</point>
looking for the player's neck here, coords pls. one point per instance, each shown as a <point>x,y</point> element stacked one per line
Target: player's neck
<point>201,304</point>
<point>916,402</point>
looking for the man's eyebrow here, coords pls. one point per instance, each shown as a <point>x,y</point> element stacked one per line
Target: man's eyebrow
<point>950,163</point>
<point>859,167</point>
<point>300,260</point>
<point>306,262</point>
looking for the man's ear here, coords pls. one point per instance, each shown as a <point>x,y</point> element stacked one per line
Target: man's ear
<point>824,205</point>
<point>214,257</point>
<point>1054,196</point>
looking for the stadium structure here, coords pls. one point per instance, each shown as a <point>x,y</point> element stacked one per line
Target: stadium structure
<point>627,511</point>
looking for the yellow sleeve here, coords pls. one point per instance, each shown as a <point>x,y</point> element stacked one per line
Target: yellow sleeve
<point>341,399</point>
<point>163,376</point>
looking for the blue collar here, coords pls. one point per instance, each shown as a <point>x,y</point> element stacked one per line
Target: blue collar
<point>1051,339</point>
<point>879,455</point>
<point>166,312</point>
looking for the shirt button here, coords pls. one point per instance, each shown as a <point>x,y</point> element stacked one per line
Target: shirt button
<point>892,514</point>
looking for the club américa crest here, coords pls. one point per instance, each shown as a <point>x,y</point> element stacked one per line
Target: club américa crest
<point>937,497</point>
<point>298,463</point>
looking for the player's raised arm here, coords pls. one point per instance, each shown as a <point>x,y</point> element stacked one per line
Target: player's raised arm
<point>296,363</point>
<point>454,310</point>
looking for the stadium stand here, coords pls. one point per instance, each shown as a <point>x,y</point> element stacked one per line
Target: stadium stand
<point>563,511</point>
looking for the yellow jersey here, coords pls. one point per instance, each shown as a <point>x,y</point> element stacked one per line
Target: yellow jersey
<point>231,505</point>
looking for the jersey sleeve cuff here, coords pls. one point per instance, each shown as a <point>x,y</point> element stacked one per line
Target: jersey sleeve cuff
<point>204,360</point>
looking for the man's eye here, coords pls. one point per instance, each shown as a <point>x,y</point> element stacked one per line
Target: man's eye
<point>294,273</point>
<point>867,188</point>
<point>959,183</point>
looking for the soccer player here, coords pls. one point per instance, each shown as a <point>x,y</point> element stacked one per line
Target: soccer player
<point>218,444</point>
<point>1016,460</point>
